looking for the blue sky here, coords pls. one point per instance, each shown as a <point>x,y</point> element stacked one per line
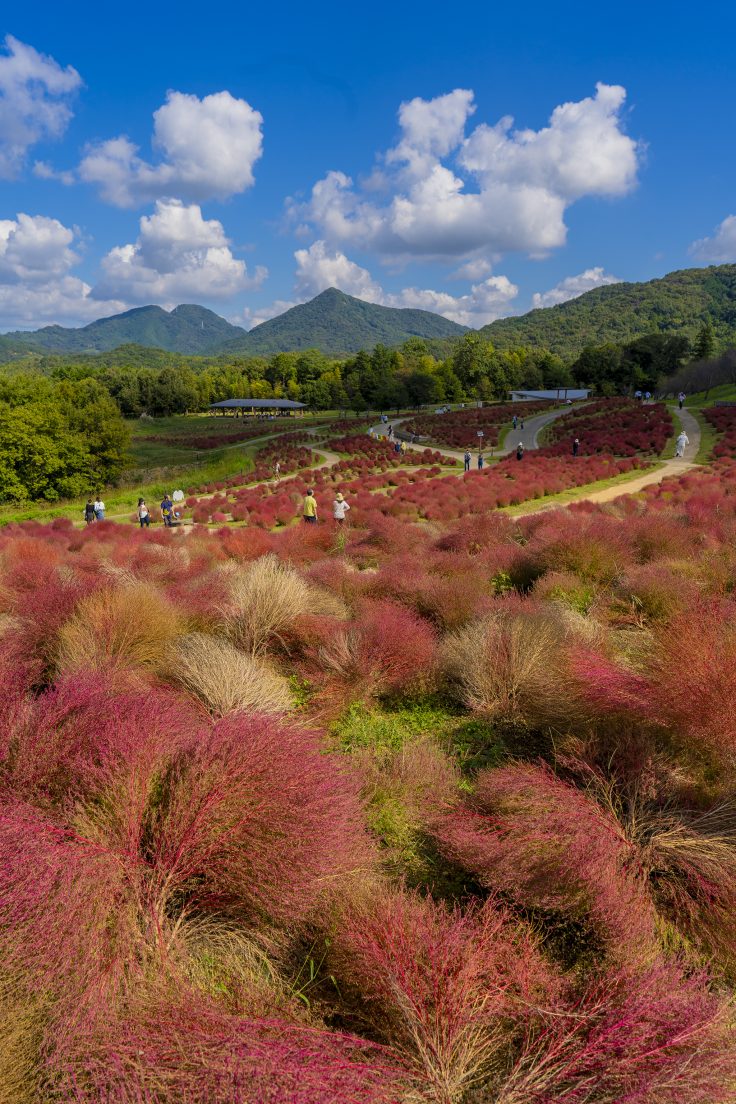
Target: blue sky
<point>246,157</point>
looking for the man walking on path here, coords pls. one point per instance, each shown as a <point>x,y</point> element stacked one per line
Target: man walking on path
<point>480,461</point>
<point>467,459</point>
<point>339,508</point>
<point>575,446</point>
<point>682,442</point>
<point>681,399</point>
<point>89,512</point>
<point>144,517</point>
<point>514,421</point>
<point>520,450</point>
<point>310,508</point>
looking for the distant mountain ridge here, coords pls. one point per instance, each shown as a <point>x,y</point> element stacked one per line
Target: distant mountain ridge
<point>334,322</point>
<point>677,303</point>
<point>339,324</point>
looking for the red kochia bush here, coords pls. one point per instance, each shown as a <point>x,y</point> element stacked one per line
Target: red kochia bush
<point>651,1037</point>
<point>255,822</point>
<point>550,846</point>
<point>387,648</point>
<point>447,990</point>
<point>192,1052</point>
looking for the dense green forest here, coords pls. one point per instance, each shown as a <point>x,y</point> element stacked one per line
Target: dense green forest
<point>677,305</point>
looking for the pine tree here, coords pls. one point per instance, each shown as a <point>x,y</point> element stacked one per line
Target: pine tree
<point>705,343</point>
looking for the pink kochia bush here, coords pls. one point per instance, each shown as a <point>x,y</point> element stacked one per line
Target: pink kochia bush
<point>449,991</point>
<point>550,846</point>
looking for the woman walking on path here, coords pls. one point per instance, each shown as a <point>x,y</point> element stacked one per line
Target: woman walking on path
<point>144,518</point>
<point>99,508</point>
<point>480,461</point>
<point>575,446</point>
<point>339,508</point>
<point>89,512</point>
<point>682,442</point>
<point>520,450</point>
<point>310,508</point>
<point>681,399</point>
<point>467,458</point>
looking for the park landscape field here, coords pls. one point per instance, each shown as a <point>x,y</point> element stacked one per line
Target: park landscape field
<point>438,806</point>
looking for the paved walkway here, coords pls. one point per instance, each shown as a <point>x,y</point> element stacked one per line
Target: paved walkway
<point>529,436</point>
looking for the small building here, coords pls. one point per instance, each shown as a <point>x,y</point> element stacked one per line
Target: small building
<point>556,394</point>
<point>241,407</point>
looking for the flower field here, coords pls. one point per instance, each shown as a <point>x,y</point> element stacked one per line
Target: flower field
<point>403,813</point>
<point>459,428</point>
<point>621,427</point>
<point>723,418</point>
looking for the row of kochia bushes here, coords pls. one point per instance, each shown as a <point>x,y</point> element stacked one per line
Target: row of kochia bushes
<point>203,898</point>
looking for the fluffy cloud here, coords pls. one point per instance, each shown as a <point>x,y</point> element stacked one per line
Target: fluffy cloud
<point>177,256</point>
<point>721,247</point>
<point>208,149</point>
<point>572,286</point>
<point>34,102</point>
<point>36,285</point>
<point>503,189</point>
<point>319,267</point>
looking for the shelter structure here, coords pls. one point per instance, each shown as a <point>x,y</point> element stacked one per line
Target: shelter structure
<point>262,407</point>
<point>575,394</point>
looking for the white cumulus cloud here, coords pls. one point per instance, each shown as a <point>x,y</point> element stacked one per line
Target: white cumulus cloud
<point>318,268</point>
<point>177,256</point>
<point>572,286</point>
<point>35,94</point>
<point>36,284</point>
<point>720,248</point>
<point>452,197</point>
<point>208,149</point>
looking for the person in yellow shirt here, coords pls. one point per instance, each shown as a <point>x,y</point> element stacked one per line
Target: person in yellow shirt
<point>310,508</point>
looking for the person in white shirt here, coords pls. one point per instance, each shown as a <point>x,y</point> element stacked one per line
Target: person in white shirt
<point>682,442</point>
<point>339,508</point>
<point>178,496</point>
<point>99,509</point>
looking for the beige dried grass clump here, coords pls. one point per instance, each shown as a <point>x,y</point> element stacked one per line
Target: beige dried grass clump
<point>512,666</point>
<point>266,598</point>
<point>130,627</point>
<point>225,679</point>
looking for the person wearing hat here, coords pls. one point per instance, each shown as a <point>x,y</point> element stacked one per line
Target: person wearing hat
<point>339,508</point>
<point>310,508</point>
<point>520,450</point>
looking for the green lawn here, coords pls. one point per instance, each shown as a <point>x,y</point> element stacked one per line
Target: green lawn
<point>702,399</point>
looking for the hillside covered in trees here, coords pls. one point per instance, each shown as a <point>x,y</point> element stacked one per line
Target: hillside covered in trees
<point>678,304</point>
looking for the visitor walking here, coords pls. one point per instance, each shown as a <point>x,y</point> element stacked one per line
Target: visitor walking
<point>99,508</point>
<point>339,508</point>
<point>514,421</point>
<point>637,396</point>
<point>647,396</point>
<point>390,432</point>
<point>480,461</point>
<point>522,424</point>
<point>681,444</point>
<point>520,451</point>
<point>681,399</point>
<point>167,510</point>
<point>277,468</point>
<point>467,458</point>
<point>144,518</point>
<point>403,448</point>
<point>310,508</point>
<point>576,446</point>
<point>89,512</point>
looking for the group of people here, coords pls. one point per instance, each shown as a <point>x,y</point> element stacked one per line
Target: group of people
<point>340,508</point>
<point>645,396</point>
<point>169,512</point>
<point>94,510</point>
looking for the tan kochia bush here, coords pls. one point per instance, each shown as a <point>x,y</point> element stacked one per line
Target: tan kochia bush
<point>132,626</point>
<point>266,597</point>
<point>225,679</point>
<point>512,665</point>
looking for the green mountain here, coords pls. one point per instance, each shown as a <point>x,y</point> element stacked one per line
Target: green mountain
<point>678,303</point>
<point>338,323</point>
<point>186,329</point>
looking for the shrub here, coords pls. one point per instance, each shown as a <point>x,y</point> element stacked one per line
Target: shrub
<point>511,665</point>
<point>264,599</point>
<point>128,627</point>
<point>255,822</point>
<point>447,990</point>
<point>223,678</point>
<point>552,847</point>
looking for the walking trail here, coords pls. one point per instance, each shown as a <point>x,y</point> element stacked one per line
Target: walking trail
<point>668,469</point>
